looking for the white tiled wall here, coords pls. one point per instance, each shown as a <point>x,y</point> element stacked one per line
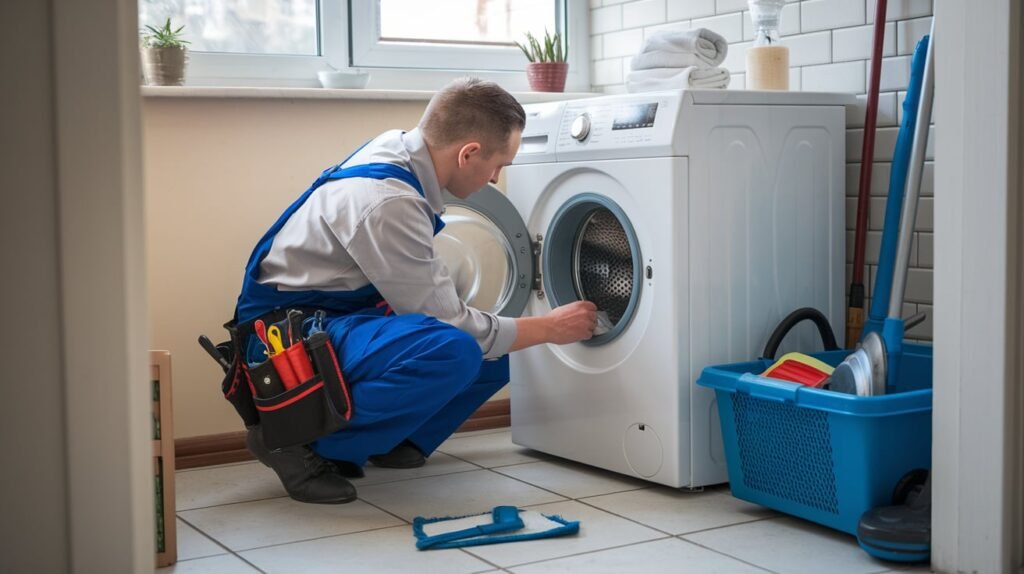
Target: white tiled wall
<point>830,44</point>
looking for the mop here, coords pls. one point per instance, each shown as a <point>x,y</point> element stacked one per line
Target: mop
<point>502,524</point>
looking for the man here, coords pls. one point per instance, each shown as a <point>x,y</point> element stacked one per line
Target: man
<point>361,236</point>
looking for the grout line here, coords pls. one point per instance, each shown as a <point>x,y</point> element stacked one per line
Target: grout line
<point>720,553</point>
<point>482,559</point>
<point>219,543</point>
<point>729,525</point>
<point>384,510</point>
<point>276,544</point>
<point>355,482</point>
<point>594,551</point>
<point>234,502</point>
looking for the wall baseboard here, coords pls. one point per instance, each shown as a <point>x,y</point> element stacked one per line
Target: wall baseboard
<point>223,448</point>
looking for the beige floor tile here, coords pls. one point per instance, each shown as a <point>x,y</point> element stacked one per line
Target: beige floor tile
<point>489,450</point>
<point>386,551</point>
<point>669,556</point>
<point>677,512</point>
<point>194,544</point>
<point>198,488</point>
<point>598,530</point>
<point>226,564</point>
<point>791,546</point>
<point>458,494</point>
<point>254,524</point>
<point>570,479</point>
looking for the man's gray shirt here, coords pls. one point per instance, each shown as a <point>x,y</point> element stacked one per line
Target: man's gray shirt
<point>356,231</point>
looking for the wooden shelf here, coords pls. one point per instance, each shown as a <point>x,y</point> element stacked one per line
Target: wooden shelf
<point>163,457</point>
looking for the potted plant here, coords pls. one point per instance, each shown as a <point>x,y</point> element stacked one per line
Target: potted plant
<point>547,68</point>
<point>164,55</point>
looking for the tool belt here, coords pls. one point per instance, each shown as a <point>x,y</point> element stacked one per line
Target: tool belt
<point>282,373</point>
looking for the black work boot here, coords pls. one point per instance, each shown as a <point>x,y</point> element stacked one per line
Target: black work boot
<point>305,476</point>
<point>405,455</point>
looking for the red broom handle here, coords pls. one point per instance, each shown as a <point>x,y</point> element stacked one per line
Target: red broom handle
<point>868,149</point>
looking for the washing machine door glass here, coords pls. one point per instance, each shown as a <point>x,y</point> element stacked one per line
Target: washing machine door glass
<point>487,250</point>
<point>591,253</point>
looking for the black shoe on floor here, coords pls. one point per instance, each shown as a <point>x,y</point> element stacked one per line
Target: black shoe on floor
<point>348,469</point>
<point>305,476</point>
<point>405,455</point>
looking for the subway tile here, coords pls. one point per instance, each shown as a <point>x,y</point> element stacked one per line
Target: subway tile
<point>876,213</point>
<point>885,142</point>
<point>928,179</point>
<point>607,72</point>
<point>789,22</point>
<point>624,43</point>
<point>845,77</point>
<point>919,285</point>
<point>736,60</point>
<point>851,213</point>
<point>925,214</point>
<point>795,80</point>
<point>809,49</point>
<point>729,26</point>
<point>909,32</point>
<point>596,47</point>
<point>607,19</point>
<point>900,9</point>
<point>738,82</point>
<point>609,2</point>
<point>727,6</point>
<point>679,26</point>
<point>830,14</point>
<point>895,74</point>
<point>923,330</point>
<point>926,250</point>
<point>595,3</point>
<point>687,9</point>
<point>615,89</point>
<point>858,43</point>
<point>886,115</point>
<point>643,13</point>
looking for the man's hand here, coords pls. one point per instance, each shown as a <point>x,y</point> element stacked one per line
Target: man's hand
<point>572,322</point>
<point>566,324</point>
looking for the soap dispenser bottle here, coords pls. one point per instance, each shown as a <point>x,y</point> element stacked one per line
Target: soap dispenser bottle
<point>767,59</point>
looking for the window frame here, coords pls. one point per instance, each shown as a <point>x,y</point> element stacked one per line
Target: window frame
<point>337,36</point>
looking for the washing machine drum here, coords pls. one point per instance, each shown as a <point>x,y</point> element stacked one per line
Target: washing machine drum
<point>591,253</point>
<point>603,264</point>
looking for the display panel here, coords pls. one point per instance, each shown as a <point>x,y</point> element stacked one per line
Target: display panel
<point>633,117</point>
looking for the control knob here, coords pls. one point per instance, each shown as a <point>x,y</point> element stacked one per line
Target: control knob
<point>580,128</point>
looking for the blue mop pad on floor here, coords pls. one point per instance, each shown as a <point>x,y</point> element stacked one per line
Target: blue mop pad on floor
<point>502,524</point>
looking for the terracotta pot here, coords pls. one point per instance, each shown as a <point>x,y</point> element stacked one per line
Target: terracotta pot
<point>547,76</point>
<point>164,66</point>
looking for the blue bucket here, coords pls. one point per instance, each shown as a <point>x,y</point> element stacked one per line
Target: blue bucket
<point>823,456</point>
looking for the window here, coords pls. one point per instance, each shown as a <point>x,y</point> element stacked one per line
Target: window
<point>404,44</point>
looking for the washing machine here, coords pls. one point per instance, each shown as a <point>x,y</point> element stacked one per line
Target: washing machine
<point>695,221</point>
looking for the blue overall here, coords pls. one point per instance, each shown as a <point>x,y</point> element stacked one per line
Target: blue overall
<point>412,377</point>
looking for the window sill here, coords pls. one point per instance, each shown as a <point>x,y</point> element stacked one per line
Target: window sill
<point>327,94</point>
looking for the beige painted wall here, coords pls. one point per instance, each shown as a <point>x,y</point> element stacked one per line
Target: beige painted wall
<point>218,172</point>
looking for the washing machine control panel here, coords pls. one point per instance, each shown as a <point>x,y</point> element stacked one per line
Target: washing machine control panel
<point>615,124</point>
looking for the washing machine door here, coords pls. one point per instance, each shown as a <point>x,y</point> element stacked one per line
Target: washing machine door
<point>487,249</point>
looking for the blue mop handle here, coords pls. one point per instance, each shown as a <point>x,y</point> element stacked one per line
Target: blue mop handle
<point>894,204</point>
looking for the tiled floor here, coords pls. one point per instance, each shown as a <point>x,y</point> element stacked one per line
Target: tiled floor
<point>236,518</point>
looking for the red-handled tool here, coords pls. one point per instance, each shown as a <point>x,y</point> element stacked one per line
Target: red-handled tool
<point>296,352</point>
<point>282,364</point>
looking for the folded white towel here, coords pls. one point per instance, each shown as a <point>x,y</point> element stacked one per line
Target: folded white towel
<point>676,78</point>
<point>679,49</point>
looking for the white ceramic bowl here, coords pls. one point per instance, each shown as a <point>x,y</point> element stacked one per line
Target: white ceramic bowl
<point>343,79</point>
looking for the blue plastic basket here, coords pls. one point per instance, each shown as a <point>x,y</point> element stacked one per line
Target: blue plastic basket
<point>823,456</point>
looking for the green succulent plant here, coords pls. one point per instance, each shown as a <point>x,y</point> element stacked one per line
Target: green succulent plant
<point>164,37</point>
<point>547,50</point>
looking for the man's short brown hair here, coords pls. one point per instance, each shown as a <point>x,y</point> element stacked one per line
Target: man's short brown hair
<point>472,109</point>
